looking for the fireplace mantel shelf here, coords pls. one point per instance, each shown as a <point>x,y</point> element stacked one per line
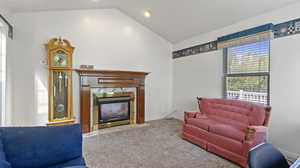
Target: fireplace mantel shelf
<point>110,79</point>
<point>109,72</point>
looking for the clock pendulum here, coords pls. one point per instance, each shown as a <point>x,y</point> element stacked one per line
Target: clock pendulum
<point>59,82</point>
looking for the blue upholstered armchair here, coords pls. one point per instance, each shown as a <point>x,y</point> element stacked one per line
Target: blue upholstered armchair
<point>41,147</point>
<point>267,156</point>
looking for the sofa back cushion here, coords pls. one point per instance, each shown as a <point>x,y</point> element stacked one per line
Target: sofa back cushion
<point>234,112</point>
<point>36,147</point>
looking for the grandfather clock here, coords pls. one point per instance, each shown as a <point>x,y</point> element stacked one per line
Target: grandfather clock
<point>59,52</point>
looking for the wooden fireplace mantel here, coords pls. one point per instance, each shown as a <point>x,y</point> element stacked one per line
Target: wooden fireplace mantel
<point>110,79</point>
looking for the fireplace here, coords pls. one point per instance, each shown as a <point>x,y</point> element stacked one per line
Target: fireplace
<point>113,109</point>
<point>121,83</point>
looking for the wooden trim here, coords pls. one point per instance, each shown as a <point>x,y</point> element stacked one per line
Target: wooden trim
<point>186,116</point>
<point>111,73</point>
<point>140,115</point>
<point>62,122</point>
<point>249,132</point>
<point>268,115</point>
<point>199,98</point>
<point>85,94</point>
<point>199,102</point>
<point>50,95</point>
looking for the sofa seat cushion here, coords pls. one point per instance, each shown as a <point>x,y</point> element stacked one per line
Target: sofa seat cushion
<point>204,123</point>
<point>228,131</point>
<point>241,126</point>
<point>74,163</point>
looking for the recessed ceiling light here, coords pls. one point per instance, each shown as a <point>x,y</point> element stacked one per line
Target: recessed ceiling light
<point>147,13</point>
<point>95,0</point>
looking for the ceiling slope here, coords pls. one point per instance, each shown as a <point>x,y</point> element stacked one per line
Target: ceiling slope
<point>174,20</point>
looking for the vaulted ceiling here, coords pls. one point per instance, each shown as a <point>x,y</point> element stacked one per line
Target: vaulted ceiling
<point>174,20</point>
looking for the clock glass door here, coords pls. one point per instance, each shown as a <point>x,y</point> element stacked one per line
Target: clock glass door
<point>60,94</point>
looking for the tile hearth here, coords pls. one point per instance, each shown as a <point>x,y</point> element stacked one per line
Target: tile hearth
<point>114,129</point>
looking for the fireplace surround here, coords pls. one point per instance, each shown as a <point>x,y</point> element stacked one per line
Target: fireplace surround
<point>90,79</point>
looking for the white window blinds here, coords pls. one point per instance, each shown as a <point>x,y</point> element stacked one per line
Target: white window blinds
<point>246,72</point>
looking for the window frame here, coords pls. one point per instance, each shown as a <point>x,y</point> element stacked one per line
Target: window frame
<point>226,75</point>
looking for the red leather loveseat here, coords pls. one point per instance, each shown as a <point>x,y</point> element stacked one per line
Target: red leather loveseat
<point>229,128</point>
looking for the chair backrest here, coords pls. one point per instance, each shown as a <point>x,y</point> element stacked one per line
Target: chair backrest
<point>42,146</point>
<point>266,156</point>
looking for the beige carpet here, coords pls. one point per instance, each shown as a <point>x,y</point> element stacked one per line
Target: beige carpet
<point>156,145</point>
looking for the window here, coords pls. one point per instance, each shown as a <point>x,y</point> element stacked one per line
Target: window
<point>2,74</point>
<point>246,72</point>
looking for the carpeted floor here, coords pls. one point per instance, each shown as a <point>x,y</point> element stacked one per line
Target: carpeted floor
<point>155,146</point>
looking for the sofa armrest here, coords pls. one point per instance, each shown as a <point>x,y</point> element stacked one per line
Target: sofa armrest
<point>189,115</point>
<point>255,135</point>
<point>253,131</point>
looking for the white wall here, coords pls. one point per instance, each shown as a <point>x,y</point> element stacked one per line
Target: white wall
<point>285,93</point>
<point>196,76</point>
<point>9,72</point>
<point>285,117</point>
<point>107,38</point>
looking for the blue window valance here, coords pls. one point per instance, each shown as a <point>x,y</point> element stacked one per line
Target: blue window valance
<point>260,33</point>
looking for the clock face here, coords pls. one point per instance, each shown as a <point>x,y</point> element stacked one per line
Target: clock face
<point>60,58</point>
